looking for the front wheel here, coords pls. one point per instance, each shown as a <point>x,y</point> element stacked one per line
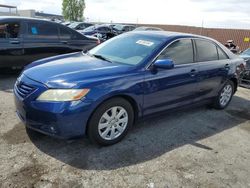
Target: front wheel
<point>225,95</point>
<point>111,121</point>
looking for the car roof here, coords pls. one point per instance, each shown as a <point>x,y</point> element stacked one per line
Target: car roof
<point>168,34</point>
<point>18,18</point>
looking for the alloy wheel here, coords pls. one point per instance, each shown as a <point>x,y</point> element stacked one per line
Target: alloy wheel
<point>226,95</point>
<point>113,123</point>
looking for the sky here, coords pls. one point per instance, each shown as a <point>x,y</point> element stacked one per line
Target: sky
<point>209,13</point>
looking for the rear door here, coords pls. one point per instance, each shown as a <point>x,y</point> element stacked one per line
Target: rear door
<point>213,67</point>
<point>41,40</point>
<point>11,44</point>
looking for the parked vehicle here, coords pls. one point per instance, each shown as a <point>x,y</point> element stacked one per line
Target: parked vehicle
<point>148,29</point>
<point>67,23</point>
<point>119,28</point>
<point>102,32</point>
<point>24,40</point>
<point>79,25</point>
<point>245,78</point>
<point>102,93</point>
<point>246,56</point>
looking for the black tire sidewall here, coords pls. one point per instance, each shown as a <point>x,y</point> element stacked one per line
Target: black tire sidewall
<point>93,132</point>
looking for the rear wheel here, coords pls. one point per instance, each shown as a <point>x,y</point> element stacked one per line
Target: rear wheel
<point>225,95</point>
<point>111,121</point>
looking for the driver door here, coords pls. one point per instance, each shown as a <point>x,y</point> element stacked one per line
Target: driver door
<point>170,88</point>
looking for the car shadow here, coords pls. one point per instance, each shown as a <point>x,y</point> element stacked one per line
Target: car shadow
<point>149,139</point>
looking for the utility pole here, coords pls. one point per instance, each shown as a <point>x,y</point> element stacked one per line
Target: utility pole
<point>202,26</point>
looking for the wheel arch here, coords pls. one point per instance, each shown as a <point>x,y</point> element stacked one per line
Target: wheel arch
<point>235,82</point>
<point>128,98</point>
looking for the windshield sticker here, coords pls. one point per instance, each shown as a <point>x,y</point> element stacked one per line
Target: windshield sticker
<point>145,43</point>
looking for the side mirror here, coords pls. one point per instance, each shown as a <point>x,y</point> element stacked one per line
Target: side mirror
<point>164,63</point>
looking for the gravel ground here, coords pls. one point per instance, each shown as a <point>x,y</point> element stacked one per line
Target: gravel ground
<point>196,147</point>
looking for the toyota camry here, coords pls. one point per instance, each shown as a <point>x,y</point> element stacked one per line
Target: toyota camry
<point>103,92</point>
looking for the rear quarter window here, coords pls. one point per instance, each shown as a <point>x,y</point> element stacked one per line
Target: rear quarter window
<point>68,34</point>
<point>222,55</point>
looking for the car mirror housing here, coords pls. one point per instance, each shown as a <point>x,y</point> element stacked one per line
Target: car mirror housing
<point>164,63</point>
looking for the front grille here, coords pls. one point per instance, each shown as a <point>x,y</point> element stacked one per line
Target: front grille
<point>23,90</point>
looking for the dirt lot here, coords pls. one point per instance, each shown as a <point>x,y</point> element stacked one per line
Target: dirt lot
<point>197,147</point>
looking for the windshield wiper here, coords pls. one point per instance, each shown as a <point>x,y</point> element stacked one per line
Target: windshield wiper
<point>101,57</point>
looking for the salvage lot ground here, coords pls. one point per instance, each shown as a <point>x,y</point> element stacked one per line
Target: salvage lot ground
<point>197,147</point>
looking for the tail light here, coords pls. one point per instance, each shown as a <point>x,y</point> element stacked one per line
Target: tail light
<point>98,41</point>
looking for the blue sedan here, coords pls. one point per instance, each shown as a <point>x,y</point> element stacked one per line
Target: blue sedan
<point>103,92</point>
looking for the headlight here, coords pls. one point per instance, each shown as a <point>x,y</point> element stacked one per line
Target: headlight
<point>63,94</point>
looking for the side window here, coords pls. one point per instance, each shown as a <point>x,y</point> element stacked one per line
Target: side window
<point>131,28</point>
<point>42,30</point>
<point>222,54</point>
<point>181,52</point>
<point>108,29</point>
<point>65,34</point>
<point>101,29</point>
<point>9,30</point>
<point>77,36</point>
<point>126,28</point>
<point>206,51</point>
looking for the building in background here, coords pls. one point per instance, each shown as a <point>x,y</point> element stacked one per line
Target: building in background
<point>241,37</point>
<point>7,10</point>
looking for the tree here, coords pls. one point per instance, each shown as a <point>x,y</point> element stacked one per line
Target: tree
<point>73,9</point>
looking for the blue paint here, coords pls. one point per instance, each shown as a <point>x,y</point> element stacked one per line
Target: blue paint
<point>153,90</point>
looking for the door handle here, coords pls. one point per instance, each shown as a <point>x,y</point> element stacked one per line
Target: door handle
<point>64,42</point>
<point>227,66</point>
<point>14,42</point>
<point>193,72</point>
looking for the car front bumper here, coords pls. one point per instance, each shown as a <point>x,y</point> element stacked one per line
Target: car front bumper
<point>59,119</point>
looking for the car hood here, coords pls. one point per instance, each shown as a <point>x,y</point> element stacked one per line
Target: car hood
<point>71,70</point>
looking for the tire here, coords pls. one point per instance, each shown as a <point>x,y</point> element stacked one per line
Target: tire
<point>228,91</point>
<point>110,122</point>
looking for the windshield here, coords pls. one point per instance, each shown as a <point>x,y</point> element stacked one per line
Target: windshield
<point>88,29</point>
<point>73,25</point>
<point>118,27</point>
<point>246,52</point>
<point>140,29</point>
<point>130,49</point>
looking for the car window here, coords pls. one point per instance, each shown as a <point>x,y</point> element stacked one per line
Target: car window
<point>108,29</point>
<point>222,54</point>
<point>42,30</point>
<point>65,33</point>
<point>132,28</point>
<point>246,52</point>
<point>181,52</point>
<point>9,30</point>
<point>89,29</point>
<point>126,28</point>
<point>206,51</point>
<point>80,26</point>
<point>102,29</point>
<point>140,47</point>
<point>77,36</point>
